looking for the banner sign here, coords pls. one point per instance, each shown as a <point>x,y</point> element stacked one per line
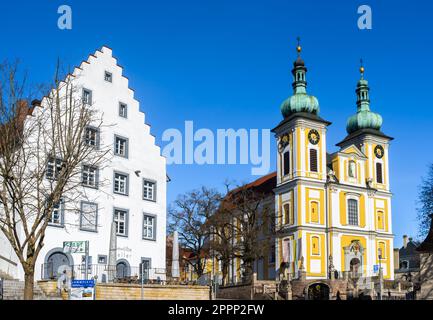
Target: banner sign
<point>74,246</point>
<point>82,290</point>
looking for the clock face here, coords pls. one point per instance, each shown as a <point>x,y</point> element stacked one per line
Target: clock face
<point>314,136</point>
<point>379,152</point>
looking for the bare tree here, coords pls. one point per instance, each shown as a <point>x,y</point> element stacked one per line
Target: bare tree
<point>42,150</point>
<point>425,200</point>
<point>188,216</point>
<point>249,224</point>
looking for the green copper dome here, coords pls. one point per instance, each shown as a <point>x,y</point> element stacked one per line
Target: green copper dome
<point>300,101</point>
<point>364,118</point>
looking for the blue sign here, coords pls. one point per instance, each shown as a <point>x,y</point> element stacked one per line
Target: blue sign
<point>82,283</point>
<point>376,268</point>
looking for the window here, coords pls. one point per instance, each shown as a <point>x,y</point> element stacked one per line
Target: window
<point>315,246</point>
<point>314,211</point>
<point>379,178</point>
<point>272,255</point>
<point>381,251</point>
<point>121,221</point>
<point>54,166</point>
<point>313,160</point>
<point>404,265</point>
<point>352,169</point>
<point>123,110</point>
<point>57,216</point>
<point>121,146</point>
<point>121,183</point>
<point>108,76</point>
<point>90,176</point>
<point>286,163</point>
<point>87,96</point>
<point>380,220</point>
<point>102,259</point>
<point>91,137</point>
<point>89,216</point>
<point>288,217</point>
<point>149,227</point>
<point>352,206</point>
<point>149,188</point>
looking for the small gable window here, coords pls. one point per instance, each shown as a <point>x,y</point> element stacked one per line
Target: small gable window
<point>108,76</point>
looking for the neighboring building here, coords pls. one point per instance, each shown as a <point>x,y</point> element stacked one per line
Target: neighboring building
<point>333,210</point>
<point>426,266</point>
<point>408,257</point>
<point>135,195</point>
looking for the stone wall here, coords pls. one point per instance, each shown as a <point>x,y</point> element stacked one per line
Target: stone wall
<point>426,277</point>
<point>120,291</point>
<point>238,292</point>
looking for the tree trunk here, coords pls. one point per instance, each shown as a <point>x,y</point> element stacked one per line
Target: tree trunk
<point>29,280</point>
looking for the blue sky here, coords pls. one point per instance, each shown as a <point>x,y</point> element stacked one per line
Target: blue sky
<point>226,64</point>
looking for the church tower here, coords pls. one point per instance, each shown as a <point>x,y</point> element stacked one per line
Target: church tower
<point>301,178</point>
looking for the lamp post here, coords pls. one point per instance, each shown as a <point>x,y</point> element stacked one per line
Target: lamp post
<point>380,273</point>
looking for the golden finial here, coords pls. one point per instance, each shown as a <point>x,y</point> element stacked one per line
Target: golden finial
<point>299,48</point>
<point>362,69</point>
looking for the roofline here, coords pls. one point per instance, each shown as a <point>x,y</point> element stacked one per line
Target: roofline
<point>360,132</point>
<point>302,115</point>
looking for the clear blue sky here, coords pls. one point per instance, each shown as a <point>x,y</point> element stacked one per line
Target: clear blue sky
<point>226,64</point>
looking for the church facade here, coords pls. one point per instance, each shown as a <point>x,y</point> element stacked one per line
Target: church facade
<point>333,210</point>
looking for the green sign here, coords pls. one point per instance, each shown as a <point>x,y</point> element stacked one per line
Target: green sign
<point>74,246</point>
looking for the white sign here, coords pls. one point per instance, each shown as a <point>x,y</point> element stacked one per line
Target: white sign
<point>74,246</point>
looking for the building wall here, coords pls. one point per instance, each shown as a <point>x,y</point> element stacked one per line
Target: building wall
<point>144,161</point>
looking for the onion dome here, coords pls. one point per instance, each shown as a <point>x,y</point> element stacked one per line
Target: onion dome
<point>364,118</point>
<point>300,101</point>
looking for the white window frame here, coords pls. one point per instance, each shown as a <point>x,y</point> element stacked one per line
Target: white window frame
<point>125,221</point>
<point>86,228</point>
<point>315,147</point>
<point>88,140</point>
<point>125,147</point>
<point>146,226</point>
<point>383,171</point>
<point>123,110</point>
<point>88,174</point>
<point>147,188</point>
<point>61,213</point>
<point>108,75</point>
<point>356,198</point>
<point>126,183</point>
<point>56,165</point>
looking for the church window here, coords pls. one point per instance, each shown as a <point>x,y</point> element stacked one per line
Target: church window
<point>379,177</point>
<point>314,212</point>
<point>352,206</point>
<point>352,169</point>
<point>380,220</point>
<point>288,217</point>
<point>313,160</point>
<point>381,252</point>
<point>315,246</point>
<point>286,162</point>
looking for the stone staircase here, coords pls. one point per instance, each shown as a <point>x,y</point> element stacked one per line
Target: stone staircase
<point>14,290</point>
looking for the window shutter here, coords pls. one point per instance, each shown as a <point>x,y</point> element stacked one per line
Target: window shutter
<point>313,160</point>
<point>286,163</point>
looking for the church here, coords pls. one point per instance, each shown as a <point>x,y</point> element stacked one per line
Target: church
<point>333,210</point>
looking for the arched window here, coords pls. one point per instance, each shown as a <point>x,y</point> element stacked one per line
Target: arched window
<point>286,162</point>
<point>352,210</point>
<point>288,217</point>
<point>380,220</point>
<point>352,169</point>
<point>314,211</point>
<point>313,160</point>
<point>404,265</point>
<point>315,246</point>
<point>379,177</point>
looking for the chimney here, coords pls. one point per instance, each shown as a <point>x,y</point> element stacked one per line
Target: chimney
<point>405,241</point>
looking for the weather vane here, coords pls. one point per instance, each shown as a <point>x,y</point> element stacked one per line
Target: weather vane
<point>362,69</point>
<point>299,48</point>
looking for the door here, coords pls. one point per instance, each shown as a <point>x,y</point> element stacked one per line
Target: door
<point>55,262</point>
<point>121,270</point>
<point>145,269</point>
<point>318,291</point>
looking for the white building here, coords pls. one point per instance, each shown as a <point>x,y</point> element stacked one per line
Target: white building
<point>133,192</point>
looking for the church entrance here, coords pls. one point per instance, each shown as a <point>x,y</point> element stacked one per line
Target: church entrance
<point>318,291</point>
<point>55,263</point>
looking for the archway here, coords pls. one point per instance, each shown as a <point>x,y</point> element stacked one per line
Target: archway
<point>318,291</point>
<point>122,269</point>
<point>56,262</point>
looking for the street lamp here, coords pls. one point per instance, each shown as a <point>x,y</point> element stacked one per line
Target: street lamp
<point>380,273</point>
